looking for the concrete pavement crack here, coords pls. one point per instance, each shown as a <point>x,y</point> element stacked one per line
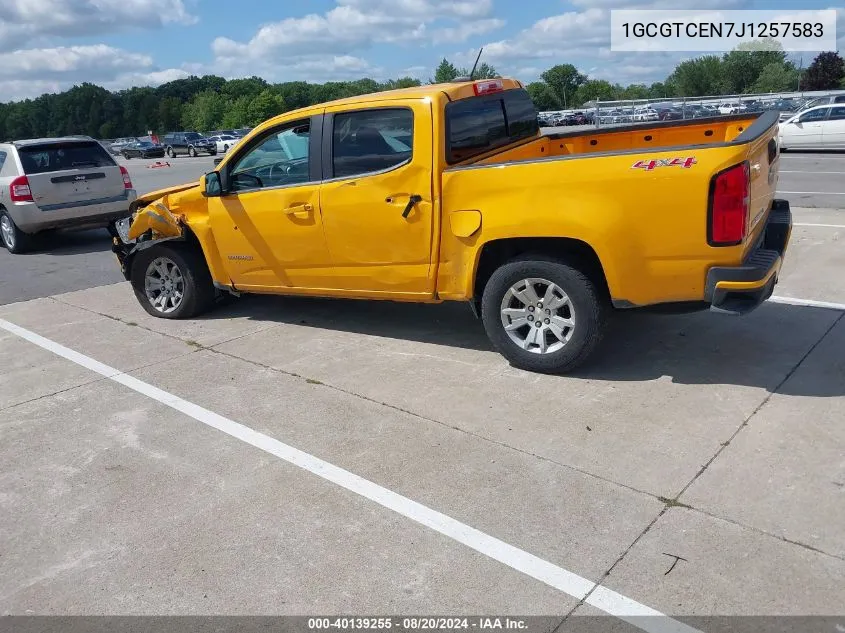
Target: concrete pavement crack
<point>675,501</point>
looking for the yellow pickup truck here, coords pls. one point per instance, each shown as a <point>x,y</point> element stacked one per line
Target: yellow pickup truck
<point>450,192</point>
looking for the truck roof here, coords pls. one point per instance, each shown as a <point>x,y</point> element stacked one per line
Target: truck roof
<point>454,90</point>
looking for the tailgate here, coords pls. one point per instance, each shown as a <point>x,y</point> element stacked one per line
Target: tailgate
<point>66,173</point>
<point>764,159</point>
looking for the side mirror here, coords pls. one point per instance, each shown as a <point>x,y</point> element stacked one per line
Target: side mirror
<point>210,185</point>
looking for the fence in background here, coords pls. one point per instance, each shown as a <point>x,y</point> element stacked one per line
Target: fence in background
<point>600,113</point>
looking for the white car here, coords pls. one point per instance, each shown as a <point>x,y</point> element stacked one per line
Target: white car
<point>224,142</point>
<point>822,127</point>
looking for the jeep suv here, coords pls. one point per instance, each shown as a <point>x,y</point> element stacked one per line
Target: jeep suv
<point>50,183</point>
<point>190,143</point>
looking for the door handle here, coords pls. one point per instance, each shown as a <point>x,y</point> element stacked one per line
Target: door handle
<point>299,210</point>
<point>412,200</point>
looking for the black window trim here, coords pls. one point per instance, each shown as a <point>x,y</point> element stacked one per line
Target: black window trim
<point>495,96</point>
<point>314,144</point>
<point>328,144</point>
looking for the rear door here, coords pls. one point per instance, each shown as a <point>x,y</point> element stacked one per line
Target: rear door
<point>376,199</point>
<point>833,129</point>
<point>66,174</point>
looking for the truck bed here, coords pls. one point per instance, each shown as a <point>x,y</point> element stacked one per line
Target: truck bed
<point>636,137</point>
<point>636,195</point>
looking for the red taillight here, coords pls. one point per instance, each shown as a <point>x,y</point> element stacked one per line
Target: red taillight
<point>729,206</point>
<point>127,181</point>
<point>486,87</point>
<point>19,190</point>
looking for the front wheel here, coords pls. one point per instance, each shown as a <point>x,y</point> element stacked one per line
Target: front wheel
<point>172,282</point>
<point>169,152</point>
<point>192,152</point>
<point>543,316</point>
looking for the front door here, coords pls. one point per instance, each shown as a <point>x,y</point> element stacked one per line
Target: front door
<point>806,131</point>
<point>376,200</point>
<point>267,224</point>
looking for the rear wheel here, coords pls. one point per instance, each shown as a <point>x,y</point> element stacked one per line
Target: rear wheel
<point>543,316</point>
<point>192,152</point>
<point>172,282</point>
<point>15,240</point>
<point>170,152</point>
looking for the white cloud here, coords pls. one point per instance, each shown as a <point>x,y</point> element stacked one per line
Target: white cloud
<point>95,62</point>
<point>465,31</point>
<point>32,72</point>
<point>327,44</point>
<point>32,21</point>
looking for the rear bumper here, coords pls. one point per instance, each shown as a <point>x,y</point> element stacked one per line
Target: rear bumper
<point>31,218</point>
<point>740,289</point>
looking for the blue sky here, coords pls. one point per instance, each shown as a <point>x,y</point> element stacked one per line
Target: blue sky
<point>49,45</point>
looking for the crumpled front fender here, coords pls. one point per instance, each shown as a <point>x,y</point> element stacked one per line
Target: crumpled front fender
<point>157,218</point>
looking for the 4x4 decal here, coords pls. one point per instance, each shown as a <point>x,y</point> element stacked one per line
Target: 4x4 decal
<point>649,165</point>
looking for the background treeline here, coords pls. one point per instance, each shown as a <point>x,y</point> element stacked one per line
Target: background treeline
<point>211,102</point>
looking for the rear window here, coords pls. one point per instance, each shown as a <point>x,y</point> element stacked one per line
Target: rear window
<point>479,124</point>
<point>40,159</point>
<point>192,136</point>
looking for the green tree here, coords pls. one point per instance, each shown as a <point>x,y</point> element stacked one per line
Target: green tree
<point>776,78</point>
<point>564,80</point>
<point>237,113</point>
<point>402,82</point>
<point>593,89</point>
<point>543,97</point>
<point>295,94</point>
<point>264,106</point>
<point>205,112</point>
<point>483,71</point>
<point>169,114</point>
<point>445,72</point>
<point>743,65</point>
<point>826,72</point>
<point>697,77</point>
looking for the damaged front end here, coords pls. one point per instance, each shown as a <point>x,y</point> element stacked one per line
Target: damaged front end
<point>150,222</point>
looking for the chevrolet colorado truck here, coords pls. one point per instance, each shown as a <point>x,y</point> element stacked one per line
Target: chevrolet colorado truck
<point>450,192</point>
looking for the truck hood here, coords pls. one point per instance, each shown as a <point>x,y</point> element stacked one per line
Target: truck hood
<point>147,198</point>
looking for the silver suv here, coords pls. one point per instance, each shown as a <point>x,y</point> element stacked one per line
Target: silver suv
<point>51,183</point>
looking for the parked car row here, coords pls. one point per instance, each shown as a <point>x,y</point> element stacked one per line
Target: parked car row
<point>176,143</point>
<point>674,110</point>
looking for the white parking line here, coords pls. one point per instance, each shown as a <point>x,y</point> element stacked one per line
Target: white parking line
<point>808,302</point>
<point>600,597</point>
<point>829,226</point>
<point>817,193</point>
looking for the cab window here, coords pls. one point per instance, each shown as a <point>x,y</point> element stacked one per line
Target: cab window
<point>814,115</point>
<point>837,114</point>
<point>280,159</point>
<point>371,140</point>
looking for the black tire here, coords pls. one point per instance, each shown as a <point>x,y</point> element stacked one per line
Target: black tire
<point>588,305</point>
<point>199,293</point>
<point>192,152</point>
<point>225,148</point>
<point>18,241</point>
<point>169,152</point>
<point>212,152</point>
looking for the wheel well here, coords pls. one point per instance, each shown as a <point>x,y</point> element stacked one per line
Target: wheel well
<point>574,252</point>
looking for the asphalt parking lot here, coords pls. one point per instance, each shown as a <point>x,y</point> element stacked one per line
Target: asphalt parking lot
<point>294,456</point>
